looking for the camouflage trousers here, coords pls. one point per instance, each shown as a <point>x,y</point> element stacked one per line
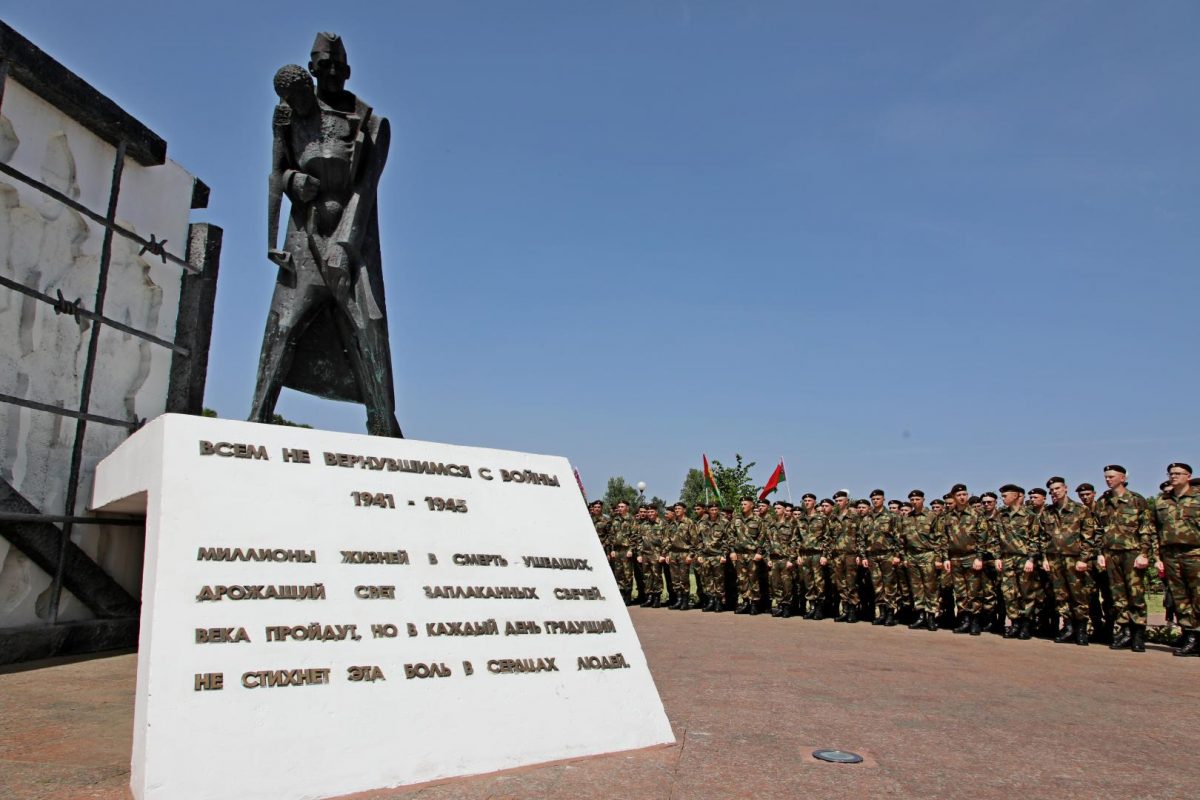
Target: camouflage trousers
<point>710,573</point>
<point>923,578</point>
<point>883,578</point>
<point>1128,586</point>
<point>992,587</point>
<point>652,575</point>
<point>680,573</point>
<point>782,580</point>
<point>968,585</point>
<point>1021,589</point>
<point>747,578</point>
<point>845,575</point>
<point>1072,589</point>
<point>1182,564</point>
<point>622,569</point>
<point>810,578</point>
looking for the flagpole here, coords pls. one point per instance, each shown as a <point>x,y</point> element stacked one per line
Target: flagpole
<point>785,480</point>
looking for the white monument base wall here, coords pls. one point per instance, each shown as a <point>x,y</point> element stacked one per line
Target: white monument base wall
<point>325,613</point>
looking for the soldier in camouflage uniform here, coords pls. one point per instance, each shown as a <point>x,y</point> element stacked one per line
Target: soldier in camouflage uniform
<point>1177,515</point>
<point>1127,545</point>
<point>651,556</point>
<point>746,553</point>
<point>682,545</point>
<point>843,534</point>
<point>993,594</point>
<point>779,539</point>
<point>622,540</point>
<point>1069,545</point>
<point>921,538</point>
<point>812,555</point>
<point>710,558</point>
<point>963,559</point>
<point>1016,543</point>
<point>881,554</point>
<point>602,523</point>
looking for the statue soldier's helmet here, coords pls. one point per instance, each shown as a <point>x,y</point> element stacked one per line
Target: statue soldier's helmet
<point>328,47</point>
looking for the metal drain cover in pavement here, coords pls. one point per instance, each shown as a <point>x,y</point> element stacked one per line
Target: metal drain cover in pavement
<point>837,756</point>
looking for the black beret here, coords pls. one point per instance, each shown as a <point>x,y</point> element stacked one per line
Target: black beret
<point>825,500</point>
<point>906,505</point>
<point>937,501</point>
<point>958,487</point>
<point>1055,479</point>
<point>863,503</point>
<point>989,494</point>
<point>840,493</point>
<point>807,495</point>
<point>749,497</point>
<point>1011,487</point>
<point>1038,490</point>
<point>878,492</point>
<point>679,504</point>
<point>973,499</point>
<point>1180,465</point>
<point>1116,468</point>
<point>916,493</point>
<point>1085,487</point>
<point>596,503</point>
<point>714,505</point>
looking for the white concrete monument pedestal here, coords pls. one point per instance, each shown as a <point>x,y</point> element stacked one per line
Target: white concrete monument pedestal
<point>326,613</point>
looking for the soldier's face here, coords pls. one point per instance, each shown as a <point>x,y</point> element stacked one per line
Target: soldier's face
<point>622,508</point>
<point>938,507</point>
<point>989,504</point>
<point>905,511</point>
<point>670,515</point>
<point>842,502</point>
<point>1113,479</point>
<point>961,498</point>
<point>1038,500</point>
<point>1011,499</point>
<point>863,508</point>
<point>826,508</point>
<point>894,507</point>
<point>917,502</point>
<point>810,503</point>
<point>747,506</point>
<point>877,502</point>
<point>1058,492</point>
<point>714,512</point>
<point>1178,477</point>
<point>595,511</point>
<point>1087,496</point>
<point>780,512</point>
<point>698,511</point>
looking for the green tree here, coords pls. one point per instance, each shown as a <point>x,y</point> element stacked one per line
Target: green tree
<point>619,490</point>
<point>734,482</point>
<point>695,489</point>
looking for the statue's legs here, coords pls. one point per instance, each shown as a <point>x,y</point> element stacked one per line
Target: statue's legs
<point>292,310</point>
<point>370,354</point>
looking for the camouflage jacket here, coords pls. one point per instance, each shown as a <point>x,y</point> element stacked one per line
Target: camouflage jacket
<point>603,526</point>
<point>921,532</point>
<point>843,533</point>
<point>1125,523</point>
<point>747,535</point>
<point>779,540</point>
<point>879,533</point>
<point>1069,531</point>
<point>965,534</point>
<point>653,539</point>
<point>683,536</point>
<point>714,537</point>
<point>1017,534</point>
<point>1178,518</point>
<point>812,536</point>
<point>622,533</point>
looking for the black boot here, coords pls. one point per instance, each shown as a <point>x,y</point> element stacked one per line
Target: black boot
<point>817,613</point>
<point>1066,634</point>
<point>685,603</point>
<point>931,621</point>
<point>711,605</point>
<point>1026,631</point>
<point>976,628</point>
<point>918,623</point>
<point>964,625</point>
<point>851,616</point>
<point>1081,634</point>
<point>843,617</point>
<point>880,616</point>
<point>1190,646</point>
<point>744,608</point>
<point>785,612</point>
<point>997,626</point>
<point>812,613</point>
<point>1014,630</point>
<point>645,601</point>
<point>890,620</point>
<point>627,598</point>
<point>656,601</point>
<point>752,609</point>
<point>1124,638</point>
<point>777,611</point>
<point>1137,639</point>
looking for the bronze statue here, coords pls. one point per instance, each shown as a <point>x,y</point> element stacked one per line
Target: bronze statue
<point>327,329</point>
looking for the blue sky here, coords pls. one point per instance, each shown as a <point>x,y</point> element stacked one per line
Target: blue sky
<point>897,244</point>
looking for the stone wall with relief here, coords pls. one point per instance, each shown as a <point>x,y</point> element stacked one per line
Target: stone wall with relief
<point>66,143</point>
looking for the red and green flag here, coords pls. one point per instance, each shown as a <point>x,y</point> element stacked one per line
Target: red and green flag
<point>712,481</point>
<point>777,477</point>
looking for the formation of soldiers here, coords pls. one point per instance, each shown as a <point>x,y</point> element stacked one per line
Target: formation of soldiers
<point>963,562</point>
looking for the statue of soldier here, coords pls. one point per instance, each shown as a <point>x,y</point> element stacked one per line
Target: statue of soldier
<point>326,333</point>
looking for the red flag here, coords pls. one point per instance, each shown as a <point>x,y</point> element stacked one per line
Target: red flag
<point>712,481</point>
<point>579,480</point>
<point>777,477</point>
